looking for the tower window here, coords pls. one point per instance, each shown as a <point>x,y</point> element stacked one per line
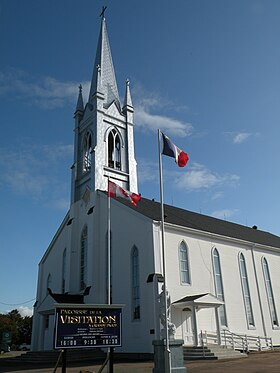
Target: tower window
<point>87,146</point>
<point>114,150</point>
<point>83,259</point>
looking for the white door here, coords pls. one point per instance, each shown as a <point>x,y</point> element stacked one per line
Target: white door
<point>187,328</point>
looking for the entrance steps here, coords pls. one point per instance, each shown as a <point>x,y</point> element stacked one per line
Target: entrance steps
<point>198,353</point>
<point>211,352</point>
<point>222,352</point>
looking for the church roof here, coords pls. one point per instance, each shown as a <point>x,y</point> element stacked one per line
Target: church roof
<point>104,66</point>
<point>185,218</point>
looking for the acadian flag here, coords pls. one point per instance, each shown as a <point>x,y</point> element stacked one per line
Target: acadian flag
<point>115,191</point>
<point>171,150</point>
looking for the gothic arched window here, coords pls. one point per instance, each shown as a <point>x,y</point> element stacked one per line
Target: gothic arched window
<point>114,150</point>
<point>246,291</point>
<point>83,259</point>
<point>219,285</point>
<point>269,293</point>
<point>49,282</point>
<point>135,283</point>
<point>184,263</point>
<point>87,146</point>
<point>63,271</point>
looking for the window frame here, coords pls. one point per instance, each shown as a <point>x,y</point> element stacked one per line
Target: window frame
<point>83,258</point>
<point>269,289</point>
<point>248,297</point>
<point>220,296</point>
<point>63,271</point>
<point>49,282</point>
<point>87,149</point>
<point>186,261</point>
<point>114,146</point>
<point>135,284</point>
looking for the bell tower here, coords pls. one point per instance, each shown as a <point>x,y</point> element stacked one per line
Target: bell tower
<point>104,140</point>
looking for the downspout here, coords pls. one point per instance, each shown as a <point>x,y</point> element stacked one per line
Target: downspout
<point>258,290</point>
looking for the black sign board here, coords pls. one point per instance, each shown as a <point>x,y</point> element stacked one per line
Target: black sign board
<point>81,326</point>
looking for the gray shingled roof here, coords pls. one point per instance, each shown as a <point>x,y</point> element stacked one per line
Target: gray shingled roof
<point>184,218</point>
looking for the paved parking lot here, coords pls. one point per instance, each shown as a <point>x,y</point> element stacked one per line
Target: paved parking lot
<point>265,362</point>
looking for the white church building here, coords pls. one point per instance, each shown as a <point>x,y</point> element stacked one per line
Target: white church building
<point>222,278</point>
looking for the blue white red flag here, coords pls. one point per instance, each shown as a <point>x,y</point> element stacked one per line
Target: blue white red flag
<point>171,150</point>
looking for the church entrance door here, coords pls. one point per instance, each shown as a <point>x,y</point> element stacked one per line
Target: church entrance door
<point>188,328</point>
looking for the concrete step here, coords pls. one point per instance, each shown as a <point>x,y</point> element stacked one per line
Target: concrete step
<point>198,353</point>
<point>222,352</point>
<point>51,357</point>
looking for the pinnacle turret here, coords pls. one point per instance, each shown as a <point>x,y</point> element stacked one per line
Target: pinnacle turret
<point>127,99</point>
<point>80,102</point>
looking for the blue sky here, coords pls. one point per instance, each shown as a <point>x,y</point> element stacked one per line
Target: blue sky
<point>206,72</point>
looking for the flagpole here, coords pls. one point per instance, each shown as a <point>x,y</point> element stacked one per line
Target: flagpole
<point>109,247</point>
<point>110,349</point>
<point>167,351</point>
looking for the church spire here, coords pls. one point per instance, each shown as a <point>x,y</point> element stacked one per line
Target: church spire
<point>80,101</point>
<point>104,75</point>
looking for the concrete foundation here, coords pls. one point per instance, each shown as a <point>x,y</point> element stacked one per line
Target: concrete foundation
<point>176,355</point>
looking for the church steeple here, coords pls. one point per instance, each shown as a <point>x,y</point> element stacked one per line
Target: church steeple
<point>104,144</point>
<point>103,70</point>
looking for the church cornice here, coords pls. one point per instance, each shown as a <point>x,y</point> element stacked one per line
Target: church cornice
<point>217,237</point>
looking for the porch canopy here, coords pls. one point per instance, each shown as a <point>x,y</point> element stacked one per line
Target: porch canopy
<point>205,300</point>
<point>196,302</point>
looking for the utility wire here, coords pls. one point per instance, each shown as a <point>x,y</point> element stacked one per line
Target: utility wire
<point>17,304</point>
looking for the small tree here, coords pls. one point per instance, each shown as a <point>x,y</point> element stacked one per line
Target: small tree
<point>19,326</point>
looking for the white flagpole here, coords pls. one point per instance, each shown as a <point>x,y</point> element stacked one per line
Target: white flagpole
<point>110,349</point>
<point>167,352</point>
<point>109,247</point>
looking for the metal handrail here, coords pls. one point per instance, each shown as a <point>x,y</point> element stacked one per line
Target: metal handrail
<point>236,341</point>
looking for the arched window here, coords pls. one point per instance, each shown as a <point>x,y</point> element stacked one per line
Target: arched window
<point>246,291</point>
<point>114,150</point>
<point>49,282</point>
<point>184,263</point>
<point>83,259</point>
<point>63,271</point>
<point>87,146</point>
<point>269,292</point>
<point>135,283</point>
<point>219,285</point>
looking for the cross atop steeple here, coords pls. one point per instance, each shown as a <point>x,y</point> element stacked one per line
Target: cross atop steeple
<point>103,11</point>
